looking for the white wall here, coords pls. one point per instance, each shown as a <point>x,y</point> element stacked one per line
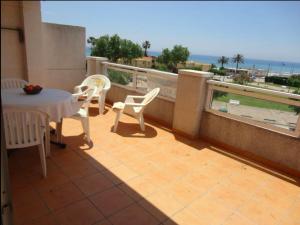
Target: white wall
<point>64,55</point>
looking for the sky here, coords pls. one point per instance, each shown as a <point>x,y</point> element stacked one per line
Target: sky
<point>260,30</point>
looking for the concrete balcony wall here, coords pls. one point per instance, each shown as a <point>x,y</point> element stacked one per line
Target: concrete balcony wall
<point>279,149</point>
<point>13,59</point>
<point>64,55</point>
<point>159,109</point>
<point>51,55</point>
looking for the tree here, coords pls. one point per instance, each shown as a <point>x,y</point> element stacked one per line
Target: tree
<point>238,58</point>
<point>115,48</point>
<point>294,81</point>
<point>146,45</point>
<point>242,79</point>
<point>178,54</point>
<point>91,40</point>
<point>101,47</point>
<point>223,60</point>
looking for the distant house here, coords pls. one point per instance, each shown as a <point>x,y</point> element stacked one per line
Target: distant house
<point>145,62</point>
<point>238,71</point>
<point>190,64</point>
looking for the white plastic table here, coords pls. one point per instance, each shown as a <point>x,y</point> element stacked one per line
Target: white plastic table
<point>56,103</point>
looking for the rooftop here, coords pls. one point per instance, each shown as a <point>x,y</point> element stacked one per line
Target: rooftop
<point>137,178</point>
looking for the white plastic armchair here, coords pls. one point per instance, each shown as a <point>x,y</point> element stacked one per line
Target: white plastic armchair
<point>24,128</point>
<point>83,112</point>
<point>137,107</point>
<point>7,83</point>
<point>101,82</point>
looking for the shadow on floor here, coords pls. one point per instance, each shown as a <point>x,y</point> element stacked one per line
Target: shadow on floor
<point>84,189</point>
<point>133,130</point>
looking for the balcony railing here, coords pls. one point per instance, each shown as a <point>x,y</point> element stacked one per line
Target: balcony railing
<point>273,110</point>
<point>141,79</point>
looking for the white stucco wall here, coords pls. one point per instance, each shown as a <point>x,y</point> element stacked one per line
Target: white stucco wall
<point>13,63</point>
<point>64,55</point>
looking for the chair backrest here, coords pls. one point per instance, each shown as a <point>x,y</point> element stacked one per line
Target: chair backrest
<point>150,96</point>
<point>98,81</point>
<point>24,128</point>
<point>12,83</point>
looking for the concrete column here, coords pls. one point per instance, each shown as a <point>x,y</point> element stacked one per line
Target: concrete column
<point>91,69</point>
<point>100,68</point>
<point>94,65</point>
<point>190,101</point>
<point>31,11</point>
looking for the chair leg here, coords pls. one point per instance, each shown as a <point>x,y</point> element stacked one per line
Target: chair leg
<point>141,121</point>
<point>43,158</point>
<point>101,102</point>
<point>117,120</point>
<point>47,141</point>
<point>86,128</point>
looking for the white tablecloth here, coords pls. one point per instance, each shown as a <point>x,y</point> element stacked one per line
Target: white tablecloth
<point>56,103</point>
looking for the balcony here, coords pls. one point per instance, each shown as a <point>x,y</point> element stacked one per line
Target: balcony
<point>203,159</point>
<point>156,177</point>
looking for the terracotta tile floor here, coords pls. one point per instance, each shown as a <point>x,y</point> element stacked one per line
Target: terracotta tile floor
<point>135,178</point>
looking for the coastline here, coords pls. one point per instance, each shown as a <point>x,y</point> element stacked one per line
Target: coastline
<point>274,67</point>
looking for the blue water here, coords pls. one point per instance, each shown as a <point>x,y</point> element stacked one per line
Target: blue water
<point>275,66</point>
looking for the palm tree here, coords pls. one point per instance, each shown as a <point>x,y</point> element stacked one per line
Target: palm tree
<point>91,40</point>
<point>223,60</point>
<point>238,58</point>
<point>146,45</point>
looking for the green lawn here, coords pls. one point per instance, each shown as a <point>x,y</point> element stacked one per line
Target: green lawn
<point>270,85</point>
<point>254,102</point>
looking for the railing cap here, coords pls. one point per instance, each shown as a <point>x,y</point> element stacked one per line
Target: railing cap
<point>97,58</point>
<point>254,89</point>
<point>195,73</point>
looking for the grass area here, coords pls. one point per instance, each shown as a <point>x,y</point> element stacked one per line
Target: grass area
<point>254,102</point>
<point>272,86</point>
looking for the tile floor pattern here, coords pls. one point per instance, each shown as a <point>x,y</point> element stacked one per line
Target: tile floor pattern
<point>131,178</point>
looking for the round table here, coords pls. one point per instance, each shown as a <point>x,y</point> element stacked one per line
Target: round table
<point>56,103</point>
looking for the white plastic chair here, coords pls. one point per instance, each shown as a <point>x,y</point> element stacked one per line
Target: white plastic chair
<point>7,83</point>
<point>83,112</point>
<point>136,107</point>
<point>96,81</point>
<point>24,128</point>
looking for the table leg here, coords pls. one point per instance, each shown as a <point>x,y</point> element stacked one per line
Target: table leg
<point>59,135</point>
<point>59,131</point>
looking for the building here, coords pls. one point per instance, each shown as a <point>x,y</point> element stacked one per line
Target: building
<point>190,64</point>
<point>144,62</point>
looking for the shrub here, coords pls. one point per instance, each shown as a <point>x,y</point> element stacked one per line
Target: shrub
<point>199,68</point>
<point>293,107</point>
<point>242,79</point>
<point>277,80</point>
<point>218,72</point>
<point>119,77</point>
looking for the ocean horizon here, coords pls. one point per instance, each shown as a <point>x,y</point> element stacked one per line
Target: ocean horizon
<point>281,67</point>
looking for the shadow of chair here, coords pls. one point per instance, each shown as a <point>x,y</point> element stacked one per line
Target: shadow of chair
<point>133,130</point>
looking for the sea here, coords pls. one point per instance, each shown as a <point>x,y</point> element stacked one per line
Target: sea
<point>274,67</point>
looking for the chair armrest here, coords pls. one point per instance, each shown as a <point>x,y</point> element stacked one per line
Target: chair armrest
<point>134,104</point>
<point>135,96</point>
<point>78,88</point>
